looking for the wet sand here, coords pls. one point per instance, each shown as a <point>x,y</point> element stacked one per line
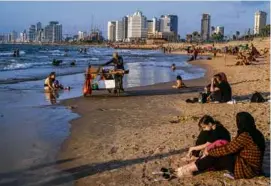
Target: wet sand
<point>121,140</point>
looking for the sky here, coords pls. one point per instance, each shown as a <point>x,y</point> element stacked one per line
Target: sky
<point>75,16</point>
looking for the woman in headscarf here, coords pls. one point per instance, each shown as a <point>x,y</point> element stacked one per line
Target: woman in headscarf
<point>242,156</point>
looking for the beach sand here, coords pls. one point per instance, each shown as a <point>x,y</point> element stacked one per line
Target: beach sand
<point>122,140</point>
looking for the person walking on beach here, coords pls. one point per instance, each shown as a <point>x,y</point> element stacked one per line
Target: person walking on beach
<point>118,65</point>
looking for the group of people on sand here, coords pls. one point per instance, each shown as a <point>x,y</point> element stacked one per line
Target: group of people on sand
<point>245,54</point>
<point>214,150</point>
<point>248,55</point>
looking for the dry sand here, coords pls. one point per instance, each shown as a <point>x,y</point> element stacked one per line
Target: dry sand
<point>121,140</point>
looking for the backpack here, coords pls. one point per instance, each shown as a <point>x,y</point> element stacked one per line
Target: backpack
<point>257,98</point>
<point>202,97</point>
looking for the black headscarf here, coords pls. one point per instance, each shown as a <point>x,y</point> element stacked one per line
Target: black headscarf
<point>246,123</point>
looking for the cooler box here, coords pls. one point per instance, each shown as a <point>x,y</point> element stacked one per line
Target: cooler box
<point>106,84</point>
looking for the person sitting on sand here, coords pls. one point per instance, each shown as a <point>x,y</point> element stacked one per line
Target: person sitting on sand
<point>254,51</point>
<point>48,84</point>
<point>210,131</point>
<point>179,83</point>
<point>173,67</point>
<point>208,87</point>
<point>220,90</point>
<point>242,157</point>
<point>244,60</point>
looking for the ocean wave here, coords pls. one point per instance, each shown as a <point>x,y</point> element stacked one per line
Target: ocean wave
<point>16,66</point>
<point>3,54</point>
<point>94,59</point>
<point>19,66</point>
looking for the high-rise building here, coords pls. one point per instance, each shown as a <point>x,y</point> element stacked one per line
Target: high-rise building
<point>150,26</point>
<point>32,33</point>
<point>40,35</point>
<point>137,26</point>
<point>259,21</point>
<point>3,38</point>
<point>119,31</point>
<point>53,32</point>
<point>57,33</point>
<point>125,27</point>
<point>205,26</point>
<point>169,23</point>
<point>39,26</point>
<point>219,29</point>
<point>82,35</point>
<point>13,36</point>
<point>111,30</point>
<point>23,36</point>
<point>156,25</point>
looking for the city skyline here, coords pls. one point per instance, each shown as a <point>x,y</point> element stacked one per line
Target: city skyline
<point>81,16</point>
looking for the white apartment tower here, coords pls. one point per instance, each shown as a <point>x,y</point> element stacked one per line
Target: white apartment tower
<point>156,25</point>
<point>259,21</point>
<point>137,26</point>
<point>111,30</point>
<point>165,24</point>
<point>23,36</point>
<point>219,29</point>
<point>82,35</point>
<point>119,31</point>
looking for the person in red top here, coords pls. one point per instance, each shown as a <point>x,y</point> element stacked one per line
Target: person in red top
<point>243,156</point>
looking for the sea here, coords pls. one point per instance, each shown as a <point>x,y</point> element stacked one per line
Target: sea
<point>32,128</point>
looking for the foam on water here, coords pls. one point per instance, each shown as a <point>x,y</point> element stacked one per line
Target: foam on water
<point>94,59</point>
<point>15,66</point>
<point>8,53</point>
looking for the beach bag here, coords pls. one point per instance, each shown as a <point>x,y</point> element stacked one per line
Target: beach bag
<point>257,98</point>
<point>202,97</point>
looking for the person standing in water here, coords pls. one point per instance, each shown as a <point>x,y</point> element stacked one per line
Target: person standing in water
<point>48,84</point>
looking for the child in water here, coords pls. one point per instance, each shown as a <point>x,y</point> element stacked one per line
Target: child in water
<point>59,86</point>
<point>179,83</point>
<point>173,67</point>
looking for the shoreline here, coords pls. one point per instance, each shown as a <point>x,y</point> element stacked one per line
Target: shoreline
<point>122,131</point>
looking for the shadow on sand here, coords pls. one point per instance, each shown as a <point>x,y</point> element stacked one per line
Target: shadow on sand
<point>88,170</point>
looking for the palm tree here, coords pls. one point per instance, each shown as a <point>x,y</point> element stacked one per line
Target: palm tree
<point>195,35</point>
<point>265,31</point>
